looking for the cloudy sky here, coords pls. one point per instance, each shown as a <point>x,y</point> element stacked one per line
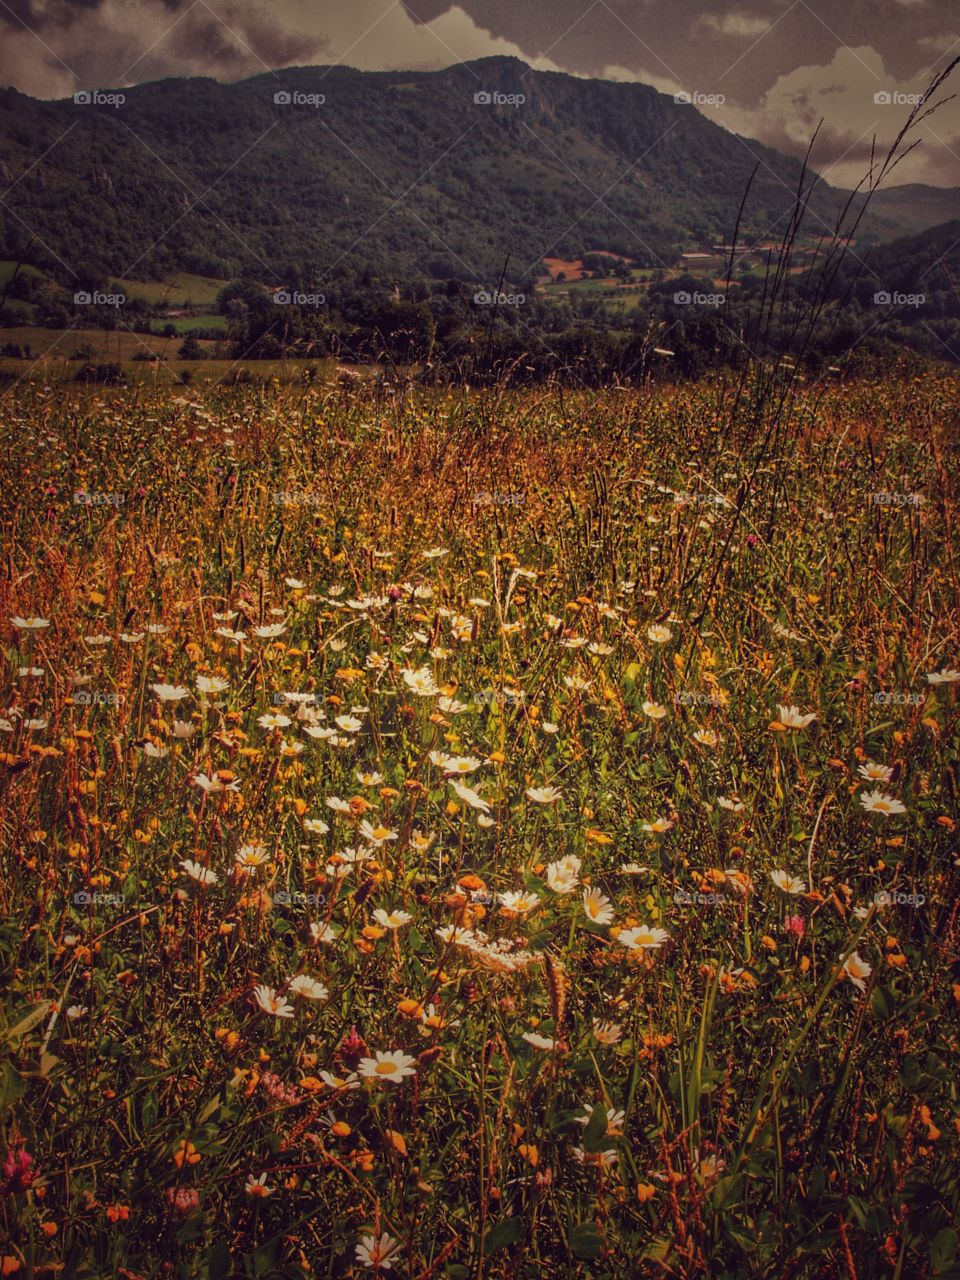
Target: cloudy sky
<point>780,65</point>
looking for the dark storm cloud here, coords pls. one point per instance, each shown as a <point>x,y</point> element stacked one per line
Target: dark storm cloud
<point>746,46</point>
<point>51,47</point>
<point>781,65</point>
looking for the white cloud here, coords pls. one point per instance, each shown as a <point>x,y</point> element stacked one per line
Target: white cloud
<point>127,41</point>
<point>359,34</point>
<point>842,93</point>
<point>737,24</point>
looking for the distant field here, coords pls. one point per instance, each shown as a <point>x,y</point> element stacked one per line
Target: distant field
<point>572,268</point>
<point>178,289</point>
<point>7,269</point>
<point>190,324</point>
<point>57,369</point>
<point>63,344</point>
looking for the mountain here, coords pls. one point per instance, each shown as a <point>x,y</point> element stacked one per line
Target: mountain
<point>916,207</point>
<point>393,176</point>
<point>913,282</point>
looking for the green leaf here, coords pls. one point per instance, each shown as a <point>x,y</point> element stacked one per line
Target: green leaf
<point>209,1109</point>
<point>149,1110</point>
<point>745,1240</point>
<point>12,1086</point>
<point>585,1240</point>
<point>881,1003</point>
<point>35,1014</point>
<point>910,1074</point>
<point>504,1233</point>
<point>192,1229</point>
<point>865,1214</point>
<point>219,1262</point>
<point>595,1133</point>
<point>726,1191</point>
<point>943,1249</point>
<point>264,1261</point>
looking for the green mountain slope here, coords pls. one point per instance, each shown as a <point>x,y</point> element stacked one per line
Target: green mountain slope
<point>395,175</point>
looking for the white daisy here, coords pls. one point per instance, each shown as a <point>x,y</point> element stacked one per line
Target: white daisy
<point>271,1003</point>
<point>393,1066</point>
<point>308,988</point>
<point>878,802</point>
<point>202,875</point>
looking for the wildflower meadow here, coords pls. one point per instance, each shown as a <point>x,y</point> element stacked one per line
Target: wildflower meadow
<point>485,835</point>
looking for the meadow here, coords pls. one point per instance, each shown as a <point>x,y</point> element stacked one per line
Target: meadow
<point>488,835</point>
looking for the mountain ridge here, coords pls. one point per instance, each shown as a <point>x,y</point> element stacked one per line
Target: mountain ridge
<point>394,175</point>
